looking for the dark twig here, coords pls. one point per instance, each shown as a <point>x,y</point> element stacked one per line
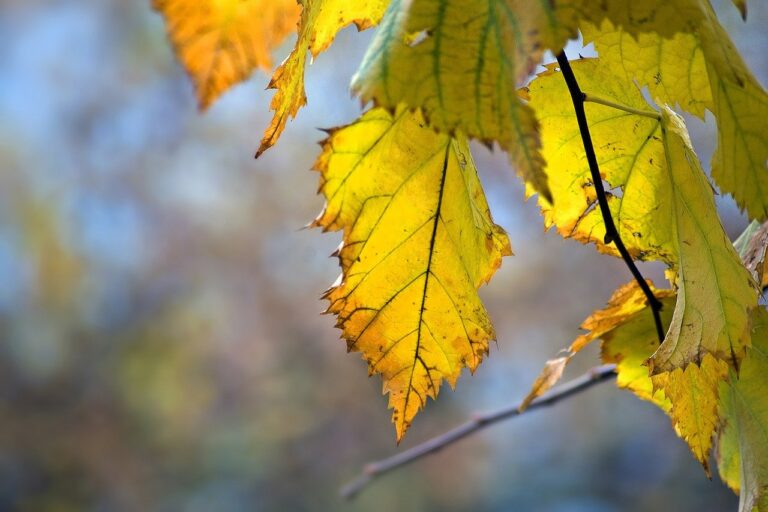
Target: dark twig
<point>479,421</point>
<point>611,233</point>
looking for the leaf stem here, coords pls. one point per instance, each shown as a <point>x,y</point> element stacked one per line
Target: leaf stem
<point>611,232</point>
<point>645,113</point>
<point>477,422</point>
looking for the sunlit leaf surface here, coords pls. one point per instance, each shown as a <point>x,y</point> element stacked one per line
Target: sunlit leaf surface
<point>418,242</point>
<point>221,42</point>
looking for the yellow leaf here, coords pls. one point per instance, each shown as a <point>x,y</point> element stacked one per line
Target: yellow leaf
<point>460,61</point>
<point>629,343</point>
<point>689,395</point>
<point>661,201</point>
<point>715,291</point>
<point>629,152</point>
<point>699,67</point>
<point>693,393</point>
<point>742,452</point>
<point>221,42</point>
<point>320,21</point>
<point>625,304</point>
<point>418,242</point>
<point>673,68</point>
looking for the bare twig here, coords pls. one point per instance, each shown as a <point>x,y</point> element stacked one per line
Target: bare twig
<point>479,421</point>
<point>611,233</point>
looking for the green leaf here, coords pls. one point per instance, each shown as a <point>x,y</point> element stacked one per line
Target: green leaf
<point>461,61</point>
<point>742,453</point>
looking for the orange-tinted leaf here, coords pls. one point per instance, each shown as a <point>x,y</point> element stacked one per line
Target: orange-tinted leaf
<point>320,21</point>
<point>221,42</point>
<point>626,303</point>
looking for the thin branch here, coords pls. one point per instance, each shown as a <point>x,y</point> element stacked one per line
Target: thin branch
<point>645,113</point>
<point>611,233</point>
<point>479,421</point>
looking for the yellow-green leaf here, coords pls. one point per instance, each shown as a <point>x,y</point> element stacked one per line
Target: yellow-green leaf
<point>699,67</point>
<point>673,68</point>
<point>629,152</point>
<point>661,201</point>
<point>740,104</point>
<point>418,242</point>
<point>742,453</point>
<point>715,291</point>
<point>221,42</point>
<point>665,17</point>
<point>739,165</point>
<point>460,61</point>
<point>689,395</point>
<point>320,21</point>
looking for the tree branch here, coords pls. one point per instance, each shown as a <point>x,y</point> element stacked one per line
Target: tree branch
<point>479,421</point>
<point>611,233</point>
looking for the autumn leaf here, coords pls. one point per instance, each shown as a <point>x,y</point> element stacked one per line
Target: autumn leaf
<point>715,291</point>
<point>418,242</point>
<point>752,246</point>
<point>693,393</point>
<point>742,452</point>
<point>697,68</point>
<point>629,152</point>
<point>689,395</point>
<point>673,69</point>
<point>661,201</point>
<point>628,342</point>
<point>460,62</point>
<point>320,21</point>
<point>624,305</point>
<point>221,42</point>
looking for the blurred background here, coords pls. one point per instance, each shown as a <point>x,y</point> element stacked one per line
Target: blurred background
<point>161,343</point>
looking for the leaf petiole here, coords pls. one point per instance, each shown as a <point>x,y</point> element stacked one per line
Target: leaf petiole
<point>645,113</point>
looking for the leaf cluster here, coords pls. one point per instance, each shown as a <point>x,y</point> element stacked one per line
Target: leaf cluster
<point>418,239</point>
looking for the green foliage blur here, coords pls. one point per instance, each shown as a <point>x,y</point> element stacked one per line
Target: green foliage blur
<point>161,346</point>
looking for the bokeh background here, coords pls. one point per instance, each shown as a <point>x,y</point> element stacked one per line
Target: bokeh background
<point>161,343</point>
